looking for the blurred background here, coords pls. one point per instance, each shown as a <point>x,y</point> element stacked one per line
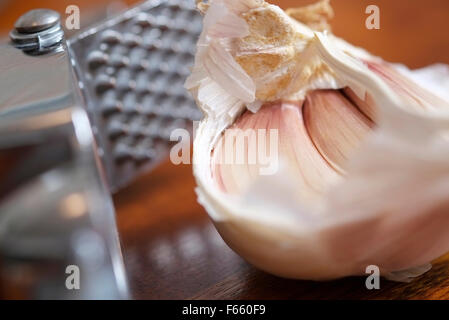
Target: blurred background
<point>170,248</point>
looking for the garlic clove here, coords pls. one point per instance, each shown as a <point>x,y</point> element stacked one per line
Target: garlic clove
<point>413,95</point>
<point>335,125</point>
<point>294,146</point>
<point>367,105</point>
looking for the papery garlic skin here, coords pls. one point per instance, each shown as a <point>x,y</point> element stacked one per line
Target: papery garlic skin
<point>385,204</point>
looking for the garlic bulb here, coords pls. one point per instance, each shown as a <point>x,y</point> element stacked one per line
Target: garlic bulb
<point>360,173</point>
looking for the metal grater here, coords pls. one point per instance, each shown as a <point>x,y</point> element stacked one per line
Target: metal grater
<point>132,71</point>
<point>78,119</point>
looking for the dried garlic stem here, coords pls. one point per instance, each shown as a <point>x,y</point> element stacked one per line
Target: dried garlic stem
<point>316,15</point>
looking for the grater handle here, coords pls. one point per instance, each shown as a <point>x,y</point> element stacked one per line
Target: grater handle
<point>56,211</point>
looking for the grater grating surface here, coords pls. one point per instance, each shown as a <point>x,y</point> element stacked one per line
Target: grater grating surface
<point>131,70</point>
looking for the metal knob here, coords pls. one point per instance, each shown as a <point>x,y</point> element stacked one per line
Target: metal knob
<point>38,31</point>
<point>37,20</point>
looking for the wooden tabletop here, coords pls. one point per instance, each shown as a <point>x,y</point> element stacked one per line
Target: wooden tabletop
<point>172,251</point>
<point>170,247</point>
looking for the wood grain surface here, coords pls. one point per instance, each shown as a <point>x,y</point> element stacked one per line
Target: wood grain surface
<point>171,249</point>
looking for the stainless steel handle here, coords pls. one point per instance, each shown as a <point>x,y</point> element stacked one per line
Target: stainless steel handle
<point>55,207</point>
